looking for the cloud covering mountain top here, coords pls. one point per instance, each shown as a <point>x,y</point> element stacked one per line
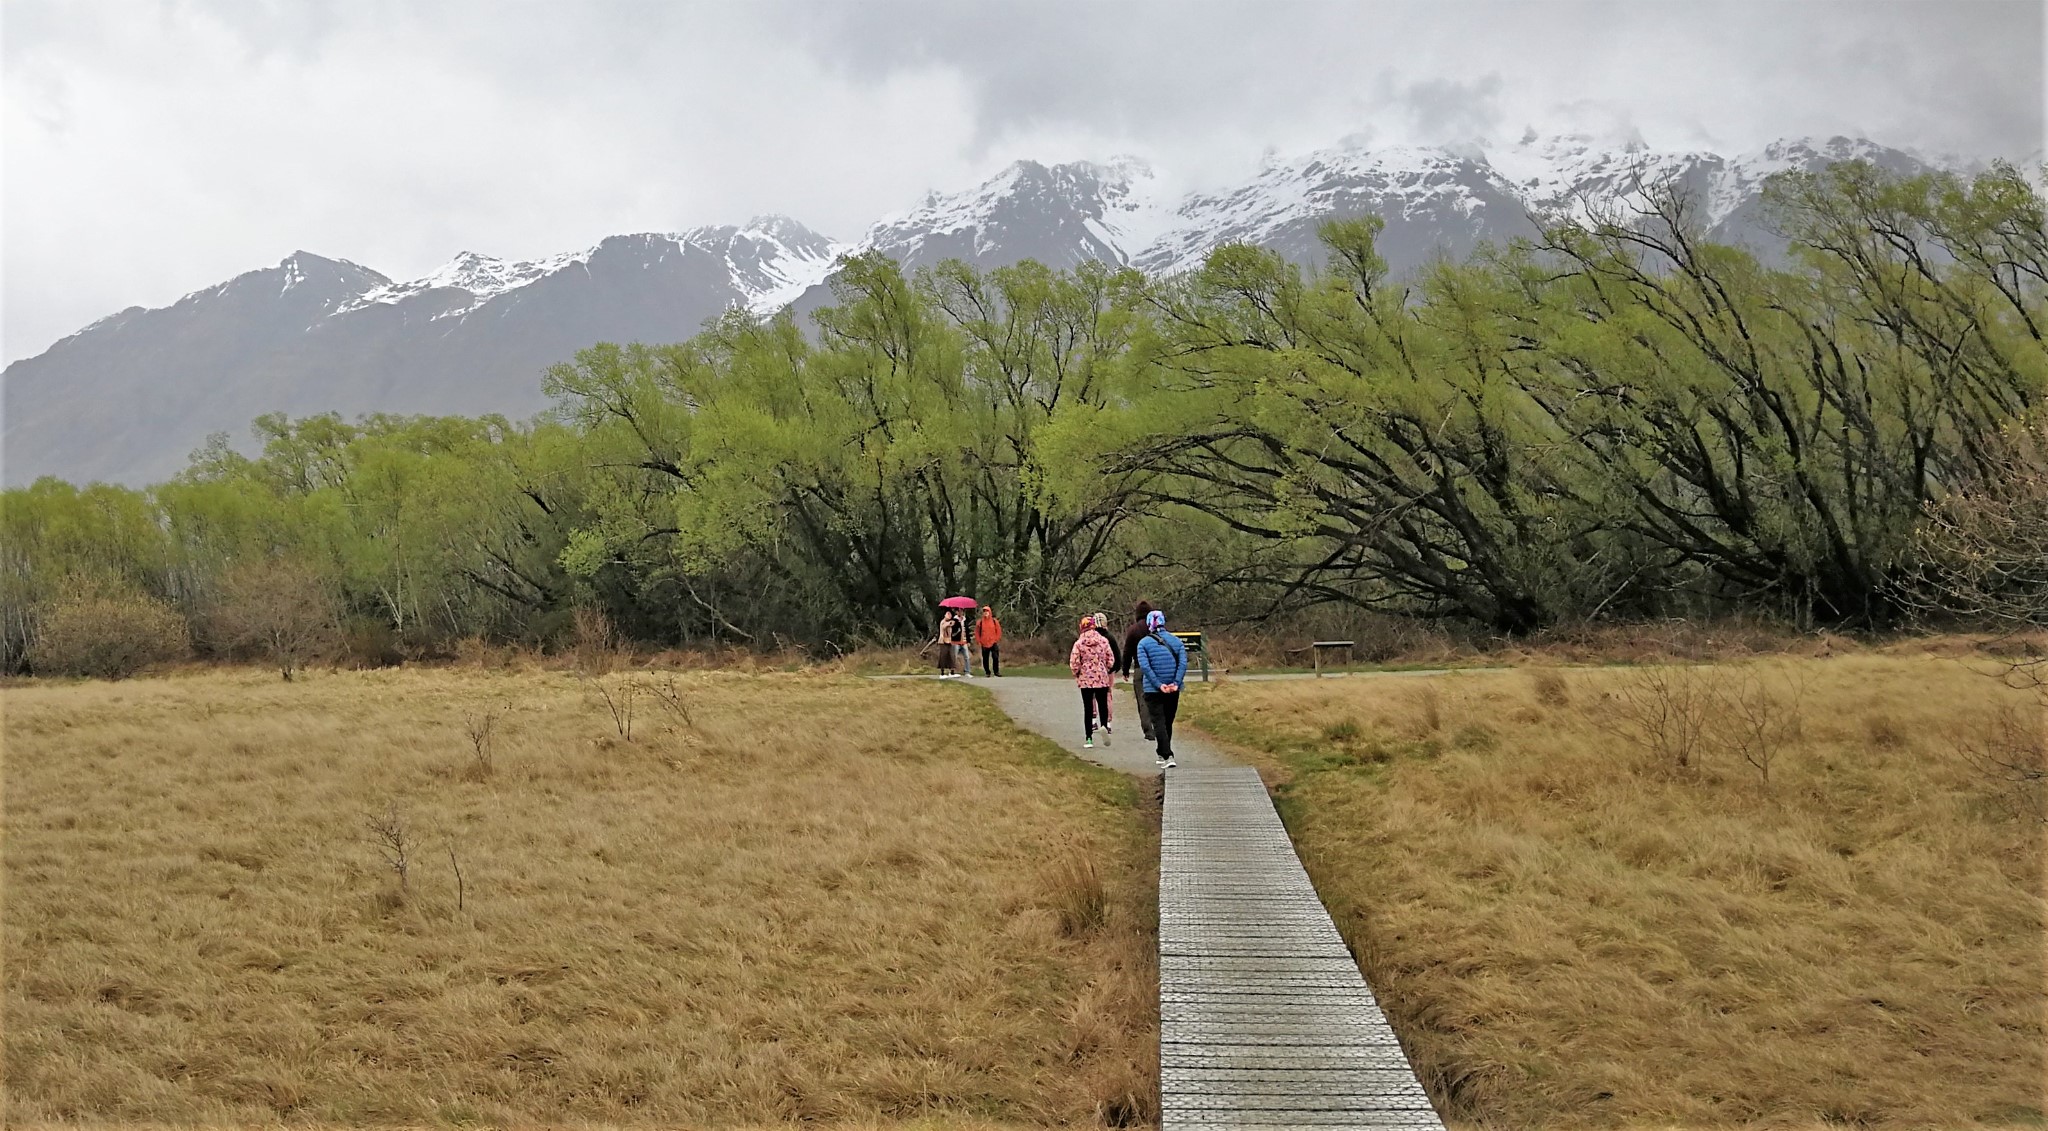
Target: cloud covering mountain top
<point>153,147</point>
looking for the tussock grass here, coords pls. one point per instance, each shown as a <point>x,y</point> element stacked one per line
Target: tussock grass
<point>812,899</point>
<point>1569,931</point>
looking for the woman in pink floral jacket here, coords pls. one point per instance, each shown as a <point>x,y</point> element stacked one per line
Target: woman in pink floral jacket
<point>1092,660</point>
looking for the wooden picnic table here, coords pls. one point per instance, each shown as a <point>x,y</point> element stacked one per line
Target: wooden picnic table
<point>1319,647</point>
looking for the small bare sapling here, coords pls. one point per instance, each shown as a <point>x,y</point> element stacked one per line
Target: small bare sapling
<point>669,694</point>
<point>1664,711</point>
<point>481,727</point>
<point>394,841</point>
<point>1759,720</point>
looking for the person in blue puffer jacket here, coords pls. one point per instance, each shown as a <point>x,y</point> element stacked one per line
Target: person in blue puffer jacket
<point>1162,665</point>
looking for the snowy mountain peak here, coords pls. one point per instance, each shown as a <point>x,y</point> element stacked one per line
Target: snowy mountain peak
<point>1835,148</point>
<point>770,259</point>
<point>783,230</point>
<point>481,277</point>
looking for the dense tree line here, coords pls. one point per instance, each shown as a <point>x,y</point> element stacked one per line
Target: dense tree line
<point>1616,420</point>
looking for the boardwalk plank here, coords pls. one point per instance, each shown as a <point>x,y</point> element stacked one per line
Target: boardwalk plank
<point>1265,1021</point>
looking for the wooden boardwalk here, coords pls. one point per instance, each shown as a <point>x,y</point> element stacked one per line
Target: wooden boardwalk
<point>1265,1022</point>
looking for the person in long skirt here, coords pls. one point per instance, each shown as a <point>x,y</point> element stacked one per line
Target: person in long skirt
<point>950,631</point>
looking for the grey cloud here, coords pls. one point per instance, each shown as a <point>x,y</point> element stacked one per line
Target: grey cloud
<point>158,146</point>
<point>1968,71</point>
<point>1456,111</point>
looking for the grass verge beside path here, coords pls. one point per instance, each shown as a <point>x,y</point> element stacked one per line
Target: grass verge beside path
<point>1571,931</point>
<point>799,898</point>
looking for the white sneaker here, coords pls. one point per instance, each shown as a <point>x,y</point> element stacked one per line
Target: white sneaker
<point>1105,736</point>
<point>1170,763</point>
<point>1087,744</point>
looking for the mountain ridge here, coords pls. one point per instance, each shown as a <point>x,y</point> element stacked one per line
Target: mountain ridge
<point>127,397</point>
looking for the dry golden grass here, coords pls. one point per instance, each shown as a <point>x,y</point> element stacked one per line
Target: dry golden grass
<point>821,899</point>
<point>1570,933</point>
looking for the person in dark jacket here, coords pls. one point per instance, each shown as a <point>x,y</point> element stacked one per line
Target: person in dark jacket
<point>1162,665</point>
<point>1128,659</point>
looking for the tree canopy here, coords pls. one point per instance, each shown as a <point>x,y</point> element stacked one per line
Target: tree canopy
<point>1617,419</point>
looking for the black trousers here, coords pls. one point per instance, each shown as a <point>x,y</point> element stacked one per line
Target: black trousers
<point>992,659</point>
<point>1094,707</point>
<point>1163,705</point>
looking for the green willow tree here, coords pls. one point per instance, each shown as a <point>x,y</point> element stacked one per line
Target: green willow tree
<point>432,527</point>
<point>859,478</point>
<point>1368,438</point>
<point>1618,419</point>
<point>1779,431</point>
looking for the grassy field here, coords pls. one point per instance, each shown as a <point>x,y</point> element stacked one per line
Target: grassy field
<point>1570,929</point>
<point>795,898</point>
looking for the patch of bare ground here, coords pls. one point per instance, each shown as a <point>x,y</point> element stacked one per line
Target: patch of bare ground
<point>524,897</point>
<point>1787,893</point>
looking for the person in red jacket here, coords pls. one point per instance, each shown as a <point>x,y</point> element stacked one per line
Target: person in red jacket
<point>988,633</point>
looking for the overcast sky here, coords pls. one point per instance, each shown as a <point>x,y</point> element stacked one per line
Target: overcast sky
<point>156,147</point>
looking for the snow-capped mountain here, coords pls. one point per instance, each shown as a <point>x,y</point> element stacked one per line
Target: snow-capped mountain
<point>1060,215</point>
<point>1433,201</point>
<point>129,396</point>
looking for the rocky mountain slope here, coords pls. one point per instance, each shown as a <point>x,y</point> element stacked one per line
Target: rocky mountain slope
<point>129,397</point>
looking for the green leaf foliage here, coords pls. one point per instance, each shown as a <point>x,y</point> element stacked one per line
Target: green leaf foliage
<point>1617,419</point>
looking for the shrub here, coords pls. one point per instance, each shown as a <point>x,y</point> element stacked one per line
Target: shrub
<point>1343,731</point>
<point>1886,733</point>
<point>1550,688</point>
<point>283,610</point>
<point>1665,711</point>
<point>370,643</point>
<point>1759,720</point>
<point>2007,751</point>
<point>109,635</point>
<point>597,641</point>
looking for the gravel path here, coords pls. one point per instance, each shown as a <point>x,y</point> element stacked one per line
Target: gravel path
<point>1052,707</point>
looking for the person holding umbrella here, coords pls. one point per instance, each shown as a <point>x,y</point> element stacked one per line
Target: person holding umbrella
<point>953,632</point>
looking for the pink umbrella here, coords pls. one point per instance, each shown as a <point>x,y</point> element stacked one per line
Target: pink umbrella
<point>958,603</point>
